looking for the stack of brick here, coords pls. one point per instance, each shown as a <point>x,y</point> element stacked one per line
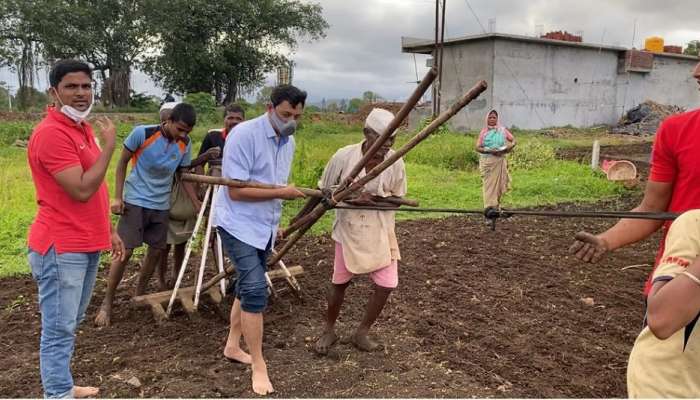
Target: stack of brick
<point>565,36</point>
<point>636,61</point>
<point>673,49</point>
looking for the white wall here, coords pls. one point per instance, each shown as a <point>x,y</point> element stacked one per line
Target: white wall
<point>540,86</point>
<point>535,85</point>
<point>464,66</point>
<point>669,82</point>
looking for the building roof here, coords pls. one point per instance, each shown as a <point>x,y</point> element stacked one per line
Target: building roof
<point>425,46</point>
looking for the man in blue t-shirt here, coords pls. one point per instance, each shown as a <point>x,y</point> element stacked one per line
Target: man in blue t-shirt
<point>156,152</point>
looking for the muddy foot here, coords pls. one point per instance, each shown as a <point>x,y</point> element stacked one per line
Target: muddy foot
<point>324,343</point>
<point>364,343</point>
<point>103,316</point>
<point>237,355</point>
<point>81,392</point>
<point>261,382</point>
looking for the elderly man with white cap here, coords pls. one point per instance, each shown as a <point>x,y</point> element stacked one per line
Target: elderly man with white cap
<point>365,240</point>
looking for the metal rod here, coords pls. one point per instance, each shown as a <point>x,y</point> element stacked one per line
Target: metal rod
<point>664,216</point>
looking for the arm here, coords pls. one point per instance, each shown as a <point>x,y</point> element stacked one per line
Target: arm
<point>510,144</point>
<point>673,304</point>
<point>657,196</point>
<point>205,154</point>
<point>118,251</point>
<point>590,248</point>
<point>479,146</point>
<point>674,300</point>
<point>254,194</point>
<point>210,154</point>
<point>81,185</point>
<point>119,178</point>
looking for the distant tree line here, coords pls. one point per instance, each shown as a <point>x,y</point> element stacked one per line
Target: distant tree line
<point>221,48</point>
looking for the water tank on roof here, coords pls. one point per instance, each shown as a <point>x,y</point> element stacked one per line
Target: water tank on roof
<point>654,44</point>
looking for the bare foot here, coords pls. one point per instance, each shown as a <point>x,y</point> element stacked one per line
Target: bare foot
<point>237,355</point>
<point>103,316</point>
<point>324,343</point>
<point>261,382</point>
<point>364,343</point>
<point>81,392</point>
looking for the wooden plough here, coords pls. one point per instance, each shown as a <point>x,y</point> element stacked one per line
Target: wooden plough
<point>316,207</point>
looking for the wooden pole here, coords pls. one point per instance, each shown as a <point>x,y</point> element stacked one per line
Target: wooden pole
<point>319,210</point>
<point>205,250</point>
<point>218,180</point>
<point>415,97</point>
<point>442,52</point>
<point>394,124</point>
<point>183,267</point>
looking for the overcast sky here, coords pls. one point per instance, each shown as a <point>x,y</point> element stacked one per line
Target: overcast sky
<point>362,50</point>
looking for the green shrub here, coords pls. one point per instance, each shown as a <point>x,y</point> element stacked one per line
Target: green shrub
<point>203,103</point>
<point>443,129</point>
<point>143,102</point>
<point>13,130</point>
<point>531,154</point>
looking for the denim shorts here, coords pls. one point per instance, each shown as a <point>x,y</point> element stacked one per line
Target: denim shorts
<point>251,286</point>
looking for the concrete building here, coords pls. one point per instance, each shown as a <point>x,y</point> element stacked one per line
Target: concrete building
<point>536,83</point>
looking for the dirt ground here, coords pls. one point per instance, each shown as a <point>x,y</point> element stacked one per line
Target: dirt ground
<point>477,313</point>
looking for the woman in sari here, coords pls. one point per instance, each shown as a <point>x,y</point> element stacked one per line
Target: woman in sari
<point>495,141</point>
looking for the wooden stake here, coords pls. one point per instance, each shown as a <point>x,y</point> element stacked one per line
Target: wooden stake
<point>188,252</point>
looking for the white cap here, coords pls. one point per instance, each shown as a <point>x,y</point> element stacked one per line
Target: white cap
<point>169,105</point>
<point>379,119</point>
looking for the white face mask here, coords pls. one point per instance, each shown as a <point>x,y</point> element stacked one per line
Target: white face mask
<point>72,112</point>
<point>283,128</point>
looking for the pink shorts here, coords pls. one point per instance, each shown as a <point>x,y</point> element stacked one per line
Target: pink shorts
<point>387,277</point>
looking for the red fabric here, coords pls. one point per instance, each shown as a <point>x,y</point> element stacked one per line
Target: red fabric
<point>56,144</point>
<point>676,158</point>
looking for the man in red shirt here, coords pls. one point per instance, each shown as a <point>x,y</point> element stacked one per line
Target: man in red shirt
<point>674,186</point>
<point>72,224</point>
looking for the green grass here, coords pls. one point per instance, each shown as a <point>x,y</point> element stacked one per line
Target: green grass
<point>441,173</point>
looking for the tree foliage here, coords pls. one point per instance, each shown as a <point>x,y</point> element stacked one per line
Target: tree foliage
<point>187,46</point>
<point>692,48</point>
<point>226,47</point>
<point>109,34</point>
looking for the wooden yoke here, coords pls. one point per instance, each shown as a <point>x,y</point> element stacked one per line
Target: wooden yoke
<point>308,220</point>
<point>339,196</point>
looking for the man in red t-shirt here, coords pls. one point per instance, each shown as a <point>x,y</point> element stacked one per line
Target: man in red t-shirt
<point>674,186</point>
<point>72,223</point>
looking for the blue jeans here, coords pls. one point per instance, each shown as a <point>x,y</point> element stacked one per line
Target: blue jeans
<point>65,284</point>
<point>251,285</point>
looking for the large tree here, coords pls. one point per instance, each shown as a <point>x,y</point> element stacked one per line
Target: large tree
<point>19,44</point>
<point>227,46</point>
<point>109,34</point>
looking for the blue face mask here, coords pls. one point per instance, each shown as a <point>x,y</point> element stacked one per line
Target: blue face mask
<point>283,128</point>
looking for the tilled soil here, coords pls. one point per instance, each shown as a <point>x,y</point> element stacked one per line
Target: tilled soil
<point>477,313</point>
